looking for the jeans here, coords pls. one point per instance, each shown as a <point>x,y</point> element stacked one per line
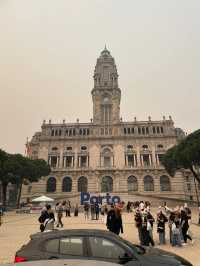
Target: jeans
<point>161,238</point>
<point>140,234</point>
<point>150,232</point>
<point>176,240</point>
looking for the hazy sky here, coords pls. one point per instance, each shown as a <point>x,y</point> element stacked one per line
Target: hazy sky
<point>48,50</point>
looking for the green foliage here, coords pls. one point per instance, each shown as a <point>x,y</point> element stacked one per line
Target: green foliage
<point>184,155</point>
<point>15,168</point>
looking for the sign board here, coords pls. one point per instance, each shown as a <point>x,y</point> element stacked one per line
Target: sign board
<point>104,198</point>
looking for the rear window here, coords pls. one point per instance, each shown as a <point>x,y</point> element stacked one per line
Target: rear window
<point>52,246</point>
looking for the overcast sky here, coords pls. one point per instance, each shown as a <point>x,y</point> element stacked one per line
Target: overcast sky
<point>48,50</point>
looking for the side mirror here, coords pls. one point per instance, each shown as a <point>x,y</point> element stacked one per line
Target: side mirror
<point>125,258</point>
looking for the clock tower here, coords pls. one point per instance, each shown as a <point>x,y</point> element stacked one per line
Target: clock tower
<point>106,94</point>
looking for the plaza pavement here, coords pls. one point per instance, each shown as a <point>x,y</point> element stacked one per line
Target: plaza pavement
<point>16,229</point>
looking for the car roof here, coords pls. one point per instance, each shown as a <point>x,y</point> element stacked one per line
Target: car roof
<point>65,232</point>
<point>65,263</point>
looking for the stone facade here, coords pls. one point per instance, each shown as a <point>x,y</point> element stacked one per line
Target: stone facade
<point>107,154</point>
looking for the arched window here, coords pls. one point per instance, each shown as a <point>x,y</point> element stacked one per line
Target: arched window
<point>67,184</point>
<point>107,184</point>
<point>129,147</point>
<point>148,183</point>
<point>160,146</point>
<point>145,147</point>
<point>165,183</point>
<point>82,184</point>
<point>132,184</point>
<point>51,184</point>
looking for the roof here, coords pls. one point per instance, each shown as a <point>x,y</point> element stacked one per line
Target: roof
<point>60,233</point>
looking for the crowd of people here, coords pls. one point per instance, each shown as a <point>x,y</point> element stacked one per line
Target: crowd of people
<point>48,219</point>
<point>177,219</point>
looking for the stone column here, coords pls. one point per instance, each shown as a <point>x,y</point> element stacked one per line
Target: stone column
<point>142,160</point>
<point>61,159</point>
<point>138,158</point>
<point>150,159</point>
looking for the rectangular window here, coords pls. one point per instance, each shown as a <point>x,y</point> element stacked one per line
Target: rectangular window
<point>71,246</point>
<point>103,248</point>
<point>69,161</point>
<point>189,187</point>
<point>146,160</point>
<point>160,157</point>
<point>130,160</point>
<point>54,160</point>
<point>83,161</point>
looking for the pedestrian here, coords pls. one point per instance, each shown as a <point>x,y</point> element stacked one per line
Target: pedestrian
<point>92,210</point>
<point>170,222</point>
<point>185,225</point>
<point>176,229</point>
<point>150,222</point>
<point>76,210</point>
<point>145,229</point>
<point>68,209</point>
<point>49,222</point>
<point>114,220</point>
<point>59,215</point>
<point>138,223</point>
<point>44,216</point>
<point>86,208</point>
<point>110,218</point>
<point>128,206</point>
<point>97,210</point>
<point>161,220</point>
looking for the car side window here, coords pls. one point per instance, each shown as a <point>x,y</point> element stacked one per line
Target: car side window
<point>104,248</point>
<point>52,246</point>
<point>71,246</point>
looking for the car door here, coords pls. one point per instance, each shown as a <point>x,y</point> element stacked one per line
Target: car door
<point>105,249</point>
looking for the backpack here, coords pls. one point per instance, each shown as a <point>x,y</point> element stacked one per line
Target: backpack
<point>41,219</point>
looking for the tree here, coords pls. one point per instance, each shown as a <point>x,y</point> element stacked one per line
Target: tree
<point>184,155</point>
<point>15,169</point>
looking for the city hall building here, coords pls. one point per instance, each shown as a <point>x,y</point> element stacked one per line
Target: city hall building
<point>107,154</point>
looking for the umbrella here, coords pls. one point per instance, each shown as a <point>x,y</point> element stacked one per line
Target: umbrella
<point>43,199</point>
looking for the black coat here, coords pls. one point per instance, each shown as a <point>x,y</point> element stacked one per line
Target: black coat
<point>161,220</point>
<point>114,222</point>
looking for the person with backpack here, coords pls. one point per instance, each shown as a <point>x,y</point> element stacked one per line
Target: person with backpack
<point>44,216</point>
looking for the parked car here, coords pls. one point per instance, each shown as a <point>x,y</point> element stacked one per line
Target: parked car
<point>65,263</point>
<point>100,245</point>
